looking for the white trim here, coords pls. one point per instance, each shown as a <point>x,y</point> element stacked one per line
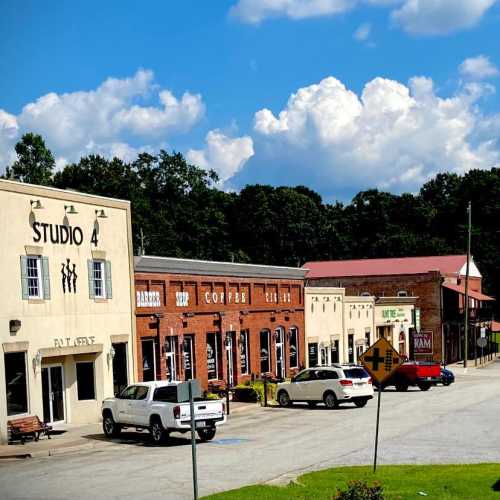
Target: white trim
<point>63,390</point>
<point>473,270</point>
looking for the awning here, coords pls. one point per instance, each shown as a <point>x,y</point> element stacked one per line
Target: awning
<point>471,293</point>
<point>495,326</point>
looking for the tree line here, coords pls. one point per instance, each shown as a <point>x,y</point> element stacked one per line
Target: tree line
<point>178,210</point>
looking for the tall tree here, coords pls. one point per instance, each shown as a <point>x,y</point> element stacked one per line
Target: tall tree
<point>35,163</point>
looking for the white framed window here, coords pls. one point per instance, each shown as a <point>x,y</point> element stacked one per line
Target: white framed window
<point>402,293</point>
<point>85,380</point>
<point>294,348</point>
<point>35,278</point>
<point>99,272</point>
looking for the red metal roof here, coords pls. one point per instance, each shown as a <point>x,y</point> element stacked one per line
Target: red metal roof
<point>446,264</point>
<point>495,326</point>
<point>471,293</point>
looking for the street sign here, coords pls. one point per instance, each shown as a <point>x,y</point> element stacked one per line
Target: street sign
<point>381,360</point>
<point>482,342</point>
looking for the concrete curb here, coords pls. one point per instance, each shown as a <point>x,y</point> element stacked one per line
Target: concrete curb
<point>48,452</point>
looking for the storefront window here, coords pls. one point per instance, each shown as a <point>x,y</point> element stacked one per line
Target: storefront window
<point>148,360</point>
<point>85,380</point>
<point>350,348</point>
<point>189,363</point>
<point>214,357</point>
<point>294,348</point>
<point>244,352</point>
<point>15,380</point>
<point>312,349</point>
<point>120,378</point>
<point>264,351</point>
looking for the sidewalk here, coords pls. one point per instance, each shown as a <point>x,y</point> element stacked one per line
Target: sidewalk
<point>488,367</point>
<point>69,438</point>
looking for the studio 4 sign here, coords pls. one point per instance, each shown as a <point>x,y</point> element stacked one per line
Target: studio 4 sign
<point>60,234</point>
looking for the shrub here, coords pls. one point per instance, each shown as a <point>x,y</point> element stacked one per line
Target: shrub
<point>360,490</point>
<point>245,394</point>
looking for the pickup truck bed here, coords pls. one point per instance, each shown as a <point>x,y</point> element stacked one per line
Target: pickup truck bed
<point>413,373</point>
<point>158,407</point>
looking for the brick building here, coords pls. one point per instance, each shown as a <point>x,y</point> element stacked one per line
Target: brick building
<point>436,283</point>
<point>216,321</point>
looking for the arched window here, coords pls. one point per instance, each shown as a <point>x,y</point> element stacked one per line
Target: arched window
<point>294,347</point>
<point>402,293</point>
<point>264,351</point>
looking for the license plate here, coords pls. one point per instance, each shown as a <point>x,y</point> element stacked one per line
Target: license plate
<point>200,423</point>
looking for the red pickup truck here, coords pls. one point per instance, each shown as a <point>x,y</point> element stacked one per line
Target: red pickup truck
<point>423,374</point>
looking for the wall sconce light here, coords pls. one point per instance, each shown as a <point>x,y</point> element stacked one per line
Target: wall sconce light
<point>70,209</point>
<point>101,214</point>
<point>36,204</point>
<point>111,354</point>
<point>37,361</point>
<point>14,325</point>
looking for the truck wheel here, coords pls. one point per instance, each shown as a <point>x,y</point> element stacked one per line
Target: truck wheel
<point>110,427</point>
<point>284,399</point>
<point>401,387</point>
<point>360,403</point>
<point>206,434</point>
<point>158,432</point>
<point>330,400</point>
<point>424,386</point>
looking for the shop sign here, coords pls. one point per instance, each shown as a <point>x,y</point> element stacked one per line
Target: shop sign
<point>148,299</point>
<point>422,342</point>
<point>219,297</point>
<point>181,299</point>
<point>417,319</point>
<point>60,234</point>
<point>272,297</point>
<point>395,313</point>
<point>74,342</point>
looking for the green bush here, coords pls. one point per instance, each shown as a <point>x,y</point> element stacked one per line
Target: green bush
<point>245,394</point>
<point>211,395</point>
<point>360,490</point>
<point>253,391</point>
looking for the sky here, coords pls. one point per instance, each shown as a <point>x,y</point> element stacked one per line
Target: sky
<point>337,95</point>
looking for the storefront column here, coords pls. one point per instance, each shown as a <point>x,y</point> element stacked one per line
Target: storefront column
<point>3,402</point>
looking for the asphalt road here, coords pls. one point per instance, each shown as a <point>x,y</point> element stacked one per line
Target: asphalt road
<point>456,424</point>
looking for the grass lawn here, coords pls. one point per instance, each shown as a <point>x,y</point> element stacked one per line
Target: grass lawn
<point>474,482</point>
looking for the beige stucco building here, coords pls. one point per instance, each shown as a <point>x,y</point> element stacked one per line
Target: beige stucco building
<point>66,322</point>
<point>339,328</point>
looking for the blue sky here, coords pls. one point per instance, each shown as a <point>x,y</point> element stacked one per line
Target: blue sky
<point>359,118</point>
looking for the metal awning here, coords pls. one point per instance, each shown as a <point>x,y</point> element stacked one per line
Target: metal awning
<point>471,293</point>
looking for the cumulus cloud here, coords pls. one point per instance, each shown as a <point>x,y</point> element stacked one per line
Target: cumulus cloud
<point>422,17</point>
<point>104,119</point>
<point>440,17</point>
<point>392,135</point>
<point>223,154</point>
<point>478,68</point>
<point>8,132</point>
<point>363,32</point>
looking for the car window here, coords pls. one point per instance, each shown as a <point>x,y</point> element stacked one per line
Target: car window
<point>128,392</point>
<point>305,376</point>
<point>141,392</point>
<point>355,373</point>
<point>327,375</point>
<point>166,394</point>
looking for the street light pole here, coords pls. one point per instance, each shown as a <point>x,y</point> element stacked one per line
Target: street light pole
<point>466,298</point>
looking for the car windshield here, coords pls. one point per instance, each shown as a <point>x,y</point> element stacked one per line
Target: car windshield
<point>355,373</point>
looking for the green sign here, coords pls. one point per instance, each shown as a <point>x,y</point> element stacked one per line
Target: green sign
<point>417,319</point>
<point>393,313</point>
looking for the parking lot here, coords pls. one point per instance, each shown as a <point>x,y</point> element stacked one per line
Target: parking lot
<point>456,424</point>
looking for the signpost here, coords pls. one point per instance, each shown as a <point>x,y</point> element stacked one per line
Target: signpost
<point>381,360</point>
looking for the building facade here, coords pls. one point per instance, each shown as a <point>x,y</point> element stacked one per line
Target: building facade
<point>217,322</point>
<point>435,283</point>
<point>66,318</point>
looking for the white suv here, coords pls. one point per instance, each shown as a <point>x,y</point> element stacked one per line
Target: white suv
<point>331,385</point>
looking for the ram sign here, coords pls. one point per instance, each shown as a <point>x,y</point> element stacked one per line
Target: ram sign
<point>422,342</point>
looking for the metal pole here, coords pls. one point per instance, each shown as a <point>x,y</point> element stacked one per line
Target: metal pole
<point>193,442</point>
<point>380,389</point>
<point>466,325</point>
<point>229,346</point>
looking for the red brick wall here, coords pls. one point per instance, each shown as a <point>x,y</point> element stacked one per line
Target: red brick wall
<point>427,287</point>
<point>269,304</point>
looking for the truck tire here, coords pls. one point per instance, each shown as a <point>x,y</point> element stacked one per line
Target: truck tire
<point>158,432</point>
<point>284,399</point>
<point>401,386</point>
<point>424,386</point>
<point>206,434</point>
<point>110,428</point>
<point>330,400</point>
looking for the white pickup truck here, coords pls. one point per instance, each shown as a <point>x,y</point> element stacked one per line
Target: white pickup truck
<point>155,406</point>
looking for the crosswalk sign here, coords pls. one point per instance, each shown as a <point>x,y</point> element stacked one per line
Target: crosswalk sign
<point>381,360</point>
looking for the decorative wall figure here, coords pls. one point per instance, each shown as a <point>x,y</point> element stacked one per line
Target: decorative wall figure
<point>63,273</point>
<point>75,276</point>
<point>69,277</point>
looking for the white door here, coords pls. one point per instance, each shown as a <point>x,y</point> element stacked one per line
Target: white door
<point>53,393</point>
<point>280,352</point>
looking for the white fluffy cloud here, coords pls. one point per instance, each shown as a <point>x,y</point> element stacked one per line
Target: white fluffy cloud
<point>478,68</point>
<point>223,154</point>
<point>393,135</point>
<point>439,17</point>
<point>424,17</point>
<point>363,32</point>
<point>103,120</point>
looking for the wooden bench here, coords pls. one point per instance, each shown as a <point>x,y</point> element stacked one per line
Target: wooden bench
<point>21,428</point>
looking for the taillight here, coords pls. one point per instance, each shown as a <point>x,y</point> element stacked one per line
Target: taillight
<point>177,412</point>
<point>346,382</point>
<point>370,380</point>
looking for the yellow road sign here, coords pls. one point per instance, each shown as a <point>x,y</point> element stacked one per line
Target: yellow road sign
<point>381,360</point>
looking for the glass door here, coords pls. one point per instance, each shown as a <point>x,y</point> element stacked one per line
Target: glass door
<point>280,352</point>
<point>53,393</point>
<point>188,358</point>
<point>170,357</point>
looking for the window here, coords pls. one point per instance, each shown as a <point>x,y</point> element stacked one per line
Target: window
<point>166,394</point>
<point>402,293</point>
<point>244,352</point>
<point>355,373</point>
<point>214,356</point>
<point>264,351</point>
<point>365,294</point>
<point>350,348</point>
<point>99,279</point>
<point>294,348</point>
<point>15,383</point>
<point>141,392</point>
<point>85,380</point>
<point>120,375</point>
<point>188,350</point>
<point>313,354</point>
<point>128,392</point>
<point>35,279</point>
<point>327,375</point>
<point>305,376</point>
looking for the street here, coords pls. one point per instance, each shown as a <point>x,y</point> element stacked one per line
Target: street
<point>456,424</point>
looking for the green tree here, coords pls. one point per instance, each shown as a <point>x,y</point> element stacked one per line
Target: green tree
<point>35,163</point>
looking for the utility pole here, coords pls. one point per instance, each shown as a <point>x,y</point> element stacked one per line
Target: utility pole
<point>466,298</point>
